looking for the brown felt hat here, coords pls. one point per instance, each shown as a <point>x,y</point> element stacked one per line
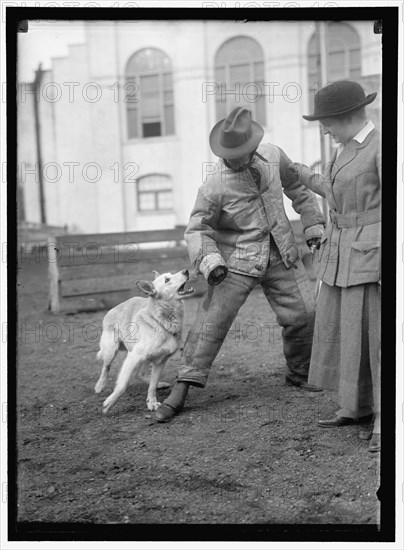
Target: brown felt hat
<point>236,135</point>
<point>339,98</point>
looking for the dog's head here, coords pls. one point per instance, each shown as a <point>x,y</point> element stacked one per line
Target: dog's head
<point>167,286</point>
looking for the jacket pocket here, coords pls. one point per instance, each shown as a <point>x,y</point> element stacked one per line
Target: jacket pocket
<point>365,256</point>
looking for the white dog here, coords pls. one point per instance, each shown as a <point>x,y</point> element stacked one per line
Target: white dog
<point>149,329</point>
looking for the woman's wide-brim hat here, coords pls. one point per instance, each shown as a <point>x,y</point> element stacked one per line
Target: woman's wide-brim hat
<point>236,135</point>
<point>339,98</point>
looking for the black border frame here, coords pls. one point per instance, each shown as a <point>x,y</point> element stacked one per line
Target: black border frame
<point>38,531</point>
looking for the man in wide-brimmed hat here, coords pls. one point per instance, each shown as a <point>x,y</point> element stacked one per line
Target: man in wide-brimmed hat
<point>349,258</point>
<point>238,236</point>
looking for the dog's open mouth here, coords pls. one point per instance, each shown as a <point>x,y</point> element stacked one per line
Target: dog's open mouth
<point>182,291</point>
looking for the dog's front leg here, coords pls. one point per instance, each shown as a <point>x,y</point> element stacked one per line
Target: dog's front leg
<point>132,361</point>
<point>157,369</point>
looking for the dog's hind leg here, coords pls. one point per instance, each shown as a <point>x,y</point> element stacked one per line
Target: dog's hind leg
<point>109,345</point>
<point>145,376</point>
<point>157,369</point>
<point>132,361</point>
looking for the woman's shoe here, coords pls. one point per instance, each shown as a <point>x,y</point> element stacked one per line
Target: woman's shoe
<point>374,445</point>
<point>365,435</point>
<point>335,422</point>
<point>339,421</point>
<point>302,385</point>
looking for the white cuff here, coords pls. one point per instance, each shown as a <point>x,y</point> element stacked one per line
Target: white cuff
<point>313,231</point>
<point>209,263</point>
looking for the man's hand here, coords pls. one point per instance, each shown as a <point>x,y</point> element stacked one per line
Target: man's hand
<point>217,275</point>
<point>313,236</point>
<point>313,243</point>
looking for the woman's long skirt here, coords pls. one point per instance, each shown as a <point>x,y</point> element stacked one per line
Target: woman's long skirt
<point>346,347</point>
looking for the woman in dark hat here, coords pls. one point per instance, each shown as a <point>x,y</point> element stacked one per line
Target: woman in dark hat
<point>346,347</point>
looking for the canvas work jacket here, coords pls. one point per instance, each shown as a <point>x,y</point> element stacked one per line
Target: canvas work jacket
<point>234,216</point>
<point>350,247</point>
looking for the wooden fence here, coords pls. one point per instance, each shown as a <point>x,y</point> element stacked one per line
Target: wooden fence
<point>99,270</point>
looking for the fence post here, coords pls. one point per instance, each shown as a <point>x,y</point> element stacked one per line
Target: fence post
<point>54,277</point>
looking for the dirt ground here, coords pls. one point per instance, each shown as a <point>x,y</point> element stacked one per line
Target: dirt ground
<point>246,449</point>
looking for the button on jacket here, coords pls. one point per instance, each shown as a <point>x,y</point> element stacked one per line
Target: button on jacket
<point>234,215</point>
<point>350,247</point>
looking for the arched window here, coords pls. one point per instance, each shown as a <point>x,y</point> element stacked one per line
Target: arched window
<point>239,73</point>
<point>154,192</point>
<point>343,55</point>
<point>149,94</point>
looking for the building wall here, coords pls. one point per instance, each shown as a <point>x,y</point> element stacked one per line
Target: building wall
<point>101,197</point>
<point>27,176</point>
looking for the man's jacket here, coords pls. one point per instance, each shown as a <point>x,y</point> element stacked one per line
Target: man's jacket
<point>350,247</point>
<point>232,219</point>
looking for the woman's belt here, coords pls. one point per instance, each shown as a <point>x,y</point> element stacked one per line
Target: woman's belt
<point>356,219</point>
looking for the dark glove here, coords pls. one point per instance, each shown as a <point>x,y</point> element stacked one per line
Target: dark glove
<point>314,242</point>
<point>217,275</point>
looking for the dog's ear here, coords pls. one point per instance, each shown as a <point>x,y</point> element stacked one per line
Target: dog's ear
<point>147,287</point>
<point>156,274</point>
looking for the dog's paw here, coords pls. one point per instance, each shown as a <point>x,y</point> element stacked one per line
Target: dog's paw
<point>107,405</point>
<point>152,404</point>
<point>99,386</point>
<point>163,385</point>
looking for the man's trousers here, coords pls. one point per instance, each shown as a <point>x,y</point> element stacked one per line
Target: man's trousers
<point>289,294</point>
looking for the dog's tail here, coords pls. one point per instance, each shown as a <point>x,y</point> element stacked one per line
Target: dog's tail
<point>109,344</point>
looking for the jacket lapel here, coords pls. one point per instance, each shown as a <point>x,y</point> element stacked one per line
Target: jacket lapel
<point>335,165</point>
<point>328,180</point>
<point>347,155</point>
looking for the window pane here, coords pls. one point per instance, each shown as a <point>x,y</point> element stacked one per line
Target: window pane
<point>169,120</point>
<point>147,183</point>
<point>355,58</point>
<point>338,75</point>
<point>312,64</point>
<point>220,110</point>
<point>151,129</point>
<point>149,83</point>
<point>132,123</point>
<point>344,55</point>
<point>238,48</point>
<point>260,111</point>
<point>150,105</point>
<point>131,90</point>
<point>355,73</point>
<point>220,74</point>
<point>253,91</point>
<point>146,96</point>
<point>240,73</point>
<point>259,71</point>
<point>314,84</point>
<point>335,45</point>
<point>167,81</point>
<point>165,200</point>
<point>238,63</point>
<point>148,59</point>
<point>154,182</point>
<point>337,65</point>
<point>147,201</point>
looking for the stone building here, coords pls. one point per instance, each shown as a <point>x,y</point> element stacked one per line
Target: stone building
<point>123,120</point>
